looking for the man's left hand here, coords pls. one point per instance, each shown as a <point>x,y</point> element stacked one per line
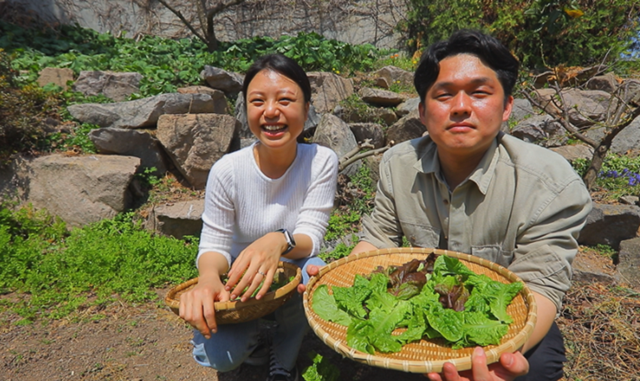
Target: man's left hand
<point>510,366</point>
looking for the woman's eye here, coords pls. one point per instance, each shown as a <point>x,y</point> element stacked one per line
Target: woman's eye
<point>256,102</point>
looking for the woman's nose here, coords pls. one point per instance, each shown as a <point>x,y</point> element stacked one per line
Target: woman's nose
<point>271,110</point>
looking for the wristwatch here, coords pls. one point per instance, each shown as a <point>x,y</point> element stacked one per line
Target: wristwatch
<point>291,243</point>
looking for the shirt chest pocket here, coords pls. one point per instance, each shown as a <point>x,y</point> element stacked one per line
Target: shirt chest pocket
<point>493,253</point>
<point>420,235</point>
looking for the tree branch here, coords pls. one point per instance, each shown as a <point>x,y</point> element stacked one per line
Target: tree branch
<point>184,20</point>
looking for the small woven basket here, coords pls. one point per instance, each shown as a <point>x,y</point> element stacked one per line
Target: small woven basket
<point>426,355</point>
<point>234,312</point>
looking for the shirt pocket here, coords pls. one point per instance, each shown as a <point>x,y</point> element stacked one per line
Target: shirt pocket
<point>419,235</point>
<point>493,253</point>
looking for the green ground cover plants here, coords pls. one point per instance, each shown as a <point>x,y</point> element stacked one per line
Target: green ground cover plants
<point>166,63</point>
<point>619,175</point>
<point>61,270</point>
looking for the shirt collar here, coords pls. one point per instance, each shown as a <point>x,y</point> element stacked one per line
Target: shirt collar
<point>428,162</point>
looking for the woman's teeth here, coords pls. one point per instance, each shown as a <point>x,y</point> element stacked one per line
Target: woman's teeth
<point>274,127</point>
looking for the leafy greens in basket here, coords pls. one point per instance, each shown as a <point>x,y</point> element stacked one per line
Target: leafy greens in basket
<point>433,298</point>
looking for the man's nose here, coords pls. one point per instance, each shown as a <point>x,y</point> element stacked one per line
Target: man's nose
<point>461,104</point>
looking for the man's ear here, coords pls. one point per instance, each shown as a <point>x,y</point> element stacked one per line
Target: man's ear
<point>423,113</point>
<point>508,106</point>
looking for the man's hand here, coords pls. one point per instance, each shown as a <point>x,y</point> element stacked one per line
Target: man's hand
<point>312,270</point>
<point>510,366</point>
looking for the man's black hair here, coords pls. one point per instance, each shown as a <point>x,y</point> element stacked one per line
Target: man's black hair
<point>487,48</point>
<point>282,65</point>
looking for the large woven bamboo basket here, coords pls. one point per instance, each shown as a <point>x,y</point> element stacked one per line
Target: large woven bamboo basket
<point>234,312</point>
<point>426,355</point>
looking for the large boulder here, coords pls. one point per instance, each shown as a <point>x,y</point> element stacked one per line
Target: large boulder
<point>227,81</point>
<point>408,127</point>
<point>334,133</point>
<point>81,189</point>
<point>113,85</point>
<point>380,98</point>
<point>57,76</point>
<point>178,219</point>
<point>141,113</point>
<point>610,224</point>
<point>629,262</point>
<point>328,90</point>
<point>389,75</point>
<point>195,141</point>
<point>220,105</point>
<point>123,141</point>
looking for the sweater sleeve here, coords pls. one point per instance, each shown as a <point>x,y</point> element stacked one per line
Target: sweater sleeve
<point>318,203</point>
<point>218,217</point>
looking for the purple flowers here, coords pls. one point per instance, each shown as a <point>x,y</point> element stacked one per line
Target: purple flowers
<point>633,178</point>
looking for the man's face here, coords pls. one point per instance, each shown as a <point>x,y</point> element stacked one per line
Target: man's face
<point>464,108</point>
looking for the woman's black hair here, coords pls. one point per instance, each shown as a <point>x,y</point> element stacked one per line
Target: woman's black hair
<point>487,48</point>
<point>282,65</point>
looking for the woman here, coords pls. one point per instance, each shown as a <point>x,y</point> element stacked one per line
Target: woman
<point>265,203</point>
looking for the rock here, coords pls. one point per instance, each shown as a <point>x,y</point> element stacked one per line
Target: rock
<point>334,133</point>
<point>627,142</point>
<point>141,112</point>
<point>606,82</point>
<point>574,151</point>
<point>586,107</point>
<point>116,86</point>
<point>521,110</point>
<point>220,105</point>
<point>81,189</point>
<point>229,82</point>
<point>177,219</point>
<point>328,90</point>
<point>542,130</point>
<point>631,91</point>
<point>407,106</point>
<point>365,114</point>
<point>195,141</point>
<point>55,75</point>
<point>610,224</point>
<point>122,141</point>
<point>629,262</point>
<point>629,200</point>
<point>392,74</point>
<point>407,128</point>
<point>371,131</point>
<point>380,98</point>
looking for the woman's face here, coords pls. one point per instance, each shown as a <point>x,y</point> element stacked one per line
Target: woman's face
<point>276,109</point>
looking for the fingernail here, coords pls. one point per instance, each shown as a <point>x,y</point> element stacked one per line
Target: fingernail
<point>509,361</point>
<point>477,351</point>
<point>232,297</point>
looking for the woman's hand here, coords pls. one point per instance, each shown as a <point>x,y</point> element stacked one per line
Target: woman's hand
<point>510,366</point>
<point>255,264</point>
<point>197,304</point>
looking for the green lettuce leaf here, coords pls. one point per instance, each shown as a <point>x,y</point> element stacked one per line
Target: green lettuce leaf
<point>326,307</point>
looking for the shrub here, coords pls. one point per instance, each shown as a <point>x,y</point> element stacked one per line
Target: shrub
<point>541,33</point>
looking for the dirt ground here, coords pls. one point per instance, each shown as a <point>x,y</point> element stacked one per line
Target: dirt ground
<point>146,343</point>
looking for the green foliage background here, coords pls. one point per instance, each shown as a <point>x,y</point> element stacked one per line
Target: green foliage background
<point>541,33</point>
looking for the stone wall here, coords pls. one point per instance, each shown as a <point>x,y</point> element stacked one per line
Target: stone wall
<point>352,21</point>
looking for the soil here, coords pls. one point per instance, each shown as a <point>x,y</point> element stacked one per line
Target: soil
<point>148,342</point>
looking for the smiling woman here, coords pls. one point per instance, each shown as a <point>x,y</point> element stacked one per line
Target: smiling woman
<point>266,203</point>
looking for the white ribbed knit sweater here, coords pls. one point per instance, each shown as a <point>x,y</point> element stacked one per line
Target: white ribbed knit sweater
<point>242,204</point>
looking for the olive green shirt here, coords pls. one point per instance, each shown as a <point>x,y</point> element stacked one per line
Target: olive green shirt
<point>522,207</point>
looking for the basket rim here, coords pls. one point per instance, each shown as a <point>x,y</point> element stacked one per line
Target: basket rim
<point>283,291</point>
<point>421,366</point>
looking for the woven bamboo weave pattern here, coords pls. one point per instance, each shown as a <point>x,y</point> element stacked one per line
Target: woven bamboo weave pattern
<point>234,312</point>
<point>425,355</point>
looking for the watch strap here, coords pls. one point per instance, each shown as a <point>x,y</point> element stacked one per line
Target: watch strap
<point>291,243</point>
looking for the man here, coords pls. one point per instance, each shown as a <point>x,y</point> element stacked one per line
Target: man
<point>468,187</point>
